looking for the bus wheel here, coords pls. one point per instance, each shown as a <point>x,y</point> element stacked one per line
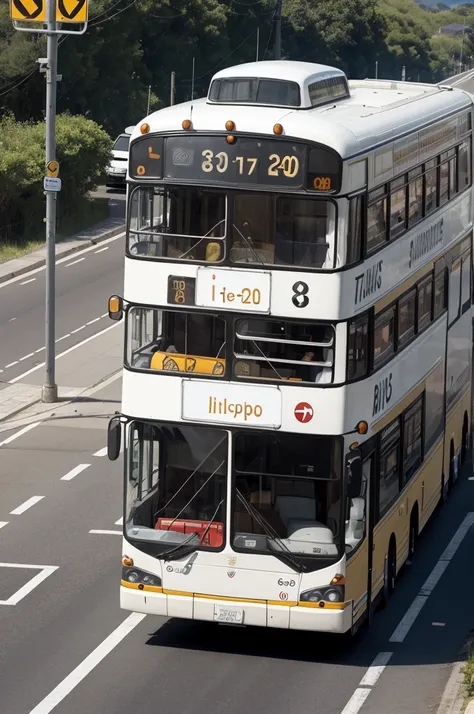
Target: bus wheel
<point>390,574</point>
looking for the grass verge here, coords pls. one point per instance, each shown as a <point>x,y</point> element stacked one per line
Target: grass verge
<point>87,213</point>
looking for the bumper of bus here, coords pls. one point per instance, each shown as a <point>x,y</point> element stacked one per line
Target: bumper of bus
<point>260,614</point>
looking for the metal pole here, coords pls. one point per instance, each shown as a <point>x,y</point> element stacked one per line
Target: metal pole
<point>258,44</point>
<point>277,46</point>
<point>462,43</point>
<point>149,99</point>
<point>403,73</point>
<point>172,90</point>
<point>376,69</point>
<point>192,83</point>
<point>50,389</point>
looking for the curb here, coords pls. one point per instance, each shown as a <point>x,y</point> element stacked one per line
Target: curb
<point>20,409</point>
<point>68,251</point>
<point>67,401</point>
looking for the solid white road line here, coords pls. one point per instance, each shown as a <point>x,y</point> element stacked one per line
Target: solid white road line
<point>101,452</point>
<point>74,472</point>
<point>405,624</point>
<point>105,532</point>
<point>19,433</point>
<point>66,352</point>
<point>26,505</point>
<point>25,282</point>
<point>101,250</point>
<point>87,665</point>
<point>367,683</point>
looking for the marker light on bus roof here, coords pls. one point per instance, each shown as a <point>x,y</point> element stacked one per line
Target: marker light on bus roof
<point>187,124</point>
<point>230,125</point>
<point>145,128</point>
<point>231,139</point>
<point>278,129</point>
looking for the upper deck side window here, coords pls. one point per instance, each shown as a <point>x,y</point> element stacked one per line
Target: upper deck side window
<point>252,90</point>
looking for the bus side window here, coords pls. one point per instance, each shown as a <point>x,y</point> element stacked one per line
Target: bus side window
<point>354,234</point>
<point>358,347</point>
<point>412,439</point>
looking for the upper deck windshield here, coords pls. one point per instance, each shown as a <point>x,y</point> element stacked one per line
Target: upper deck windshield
<point>285,493</point>
<point>252,228</point>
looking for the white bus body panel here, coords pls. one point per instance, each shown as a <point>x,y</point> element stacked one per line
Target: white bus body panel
<point>332,296</point>
<point>262,588</point>
<point>330,411</point>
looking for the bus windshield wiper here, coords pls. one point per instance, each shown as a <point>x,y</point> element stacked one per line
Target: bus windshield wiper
<point>285,553</point>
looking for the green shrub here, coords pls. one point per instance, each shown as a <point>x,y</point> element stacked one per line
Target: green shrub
<point>83,151</point>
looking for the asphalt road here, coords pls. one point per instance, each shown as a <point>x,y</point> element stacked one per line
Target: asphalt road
<point>84,282</point>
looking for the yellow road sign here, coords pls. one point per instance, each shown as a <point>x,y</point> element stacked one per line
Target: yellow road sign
<point>70,10</point>
<point>52,169</point>
<point>29,10</point>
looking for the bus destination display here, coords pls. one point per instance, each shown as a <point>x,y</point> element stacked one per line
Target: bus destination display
<point>247,161</point>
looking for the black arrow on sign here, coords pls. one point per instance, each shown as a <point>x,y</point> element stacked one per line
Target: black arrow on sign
<point>70,14</point>
<point>26,13</point>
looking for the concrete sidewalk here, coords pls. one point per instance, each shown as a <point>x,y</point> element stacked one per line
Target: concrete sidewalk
<point>101,231</point>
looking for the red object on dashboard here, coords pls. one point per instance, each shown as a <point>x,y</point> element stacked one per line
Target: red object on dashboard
<point>214,537</point>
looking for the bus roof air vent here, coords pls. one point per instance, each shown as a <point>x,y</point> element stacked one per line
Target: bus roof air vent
<point>279,83</point>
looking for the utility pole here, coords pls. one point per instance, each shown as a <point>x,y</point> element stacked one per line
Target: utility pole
<point>50,390</point>
<point>277,44</point>
<point>149,100</point>
<point>172,90</point>
<point>462,45</point>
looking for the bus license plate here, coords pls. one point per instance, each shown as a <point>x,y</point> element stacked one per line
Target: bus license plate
<point>227,614</point>
<point>233,289</point>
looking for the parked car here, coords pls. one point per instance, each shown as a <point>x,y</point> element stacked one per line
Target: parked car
<point>117,169</point>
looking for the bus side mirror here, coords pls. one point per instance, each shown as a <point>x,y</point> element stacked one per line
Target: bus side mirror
<point>114,439</point>
<point>354,476</point>
<point>115,307</point>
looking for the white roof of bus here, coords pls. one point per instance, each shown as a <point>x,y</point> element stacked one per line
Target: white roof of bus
<point>377,111</point>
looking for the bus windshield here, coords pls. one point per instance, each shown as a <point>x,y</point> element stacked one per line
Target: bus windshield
<point>288,494</point>
<point>176,480</point>
<point>208,225</point>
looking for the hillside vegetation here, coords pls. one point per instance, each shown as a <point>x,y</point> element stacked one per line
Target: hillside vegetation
<point>130,47</point>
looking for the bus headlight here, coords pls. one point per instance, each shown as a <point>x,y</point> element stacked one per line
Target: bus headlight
<point>330,593</point>
<point>135,576</point>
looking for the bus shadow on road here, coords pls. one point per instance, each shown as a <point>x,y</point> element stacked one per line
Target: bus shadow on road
<point>251,641</point>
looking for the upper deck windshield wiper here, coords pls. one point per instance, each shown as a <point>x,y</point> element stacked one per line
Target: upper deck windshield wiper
<point>285,553</point>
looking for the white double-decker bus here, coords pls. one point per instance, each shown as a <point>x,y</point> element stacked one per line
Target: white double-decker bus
<point>297,379</point>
